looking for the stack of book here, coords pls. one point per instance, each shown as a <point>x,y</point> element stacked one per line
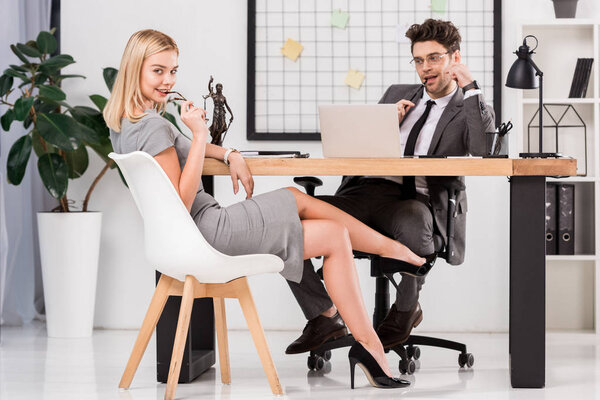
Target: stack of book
<point>581,77</point>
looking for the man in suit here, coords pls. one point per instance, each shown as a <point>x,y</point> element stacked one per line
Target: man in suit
<point>447,115</point>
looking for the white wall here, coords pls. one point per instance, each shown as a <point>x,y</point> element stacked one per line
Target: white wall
<point>212,40</point>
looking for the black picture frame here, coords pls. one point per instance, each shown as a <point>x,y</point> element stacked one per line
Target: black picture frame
<point>252,134</point>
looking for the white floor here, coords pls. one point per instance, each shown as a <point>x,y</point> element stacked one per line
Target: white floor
<point>35,367</point>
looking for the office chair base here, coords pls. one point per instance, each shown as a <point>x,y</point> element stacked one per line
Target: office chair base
<point>409,352</point>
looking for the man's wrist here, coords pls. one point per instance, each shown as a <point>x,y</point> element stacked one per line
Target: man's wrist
<point>470,86</point>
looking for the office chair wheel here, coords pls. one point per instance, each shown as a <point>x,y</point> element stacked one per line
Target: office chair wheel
<point>466,359</point>
<point>315,363</point>
<point>407,367</point>
<point>413,352</point>
<point>327,355</point>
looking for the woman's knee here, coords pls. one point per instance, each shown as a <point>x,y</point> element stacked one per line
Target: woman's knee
<point>337,235</point>
<point>295,191</point>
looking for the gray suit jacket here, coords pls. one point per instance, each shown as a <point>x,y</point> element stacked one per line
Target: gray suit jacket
<point>459,132</point>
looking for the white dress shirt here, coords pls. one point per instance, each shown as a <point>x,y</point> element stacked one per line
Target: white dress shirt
<point>426,135</point>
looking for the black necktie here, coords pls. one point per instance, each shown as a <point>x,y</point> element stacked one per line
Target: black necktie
<point>409,149</point>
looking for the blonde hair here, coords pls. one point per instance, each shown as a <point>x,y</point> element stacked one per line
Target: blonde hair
<point>126,95</point>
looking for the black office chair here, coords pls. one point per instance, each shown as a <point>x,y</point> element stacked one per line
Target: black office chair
<point>409,351</point>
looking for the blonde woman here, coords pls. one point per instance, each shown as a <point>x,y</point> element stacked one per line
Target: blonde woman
<point>285,222</point>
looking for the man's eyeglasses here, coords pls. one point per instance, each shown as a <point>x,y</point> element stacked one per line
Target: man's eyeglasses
<point>432,59</point>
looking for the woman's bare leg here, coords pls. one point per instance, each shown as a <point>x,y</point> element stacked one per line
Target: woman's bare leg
<point>362,237</point>
<point>330,239</point>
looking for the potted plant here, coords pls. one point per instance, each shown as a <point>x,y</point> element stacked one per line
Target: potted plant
<point>565,8</point>
<point>60,136</point>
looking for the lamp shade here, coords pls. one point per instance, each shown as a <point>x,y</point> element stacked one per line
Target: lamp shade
<point>522,73</point>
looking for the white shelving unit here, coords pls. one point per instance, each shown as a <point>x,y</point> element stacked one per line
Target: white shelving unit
<point>573,281</point>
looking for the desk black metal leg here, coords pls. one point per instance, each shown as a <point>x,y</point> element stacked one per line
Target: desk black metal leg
<point>199,352</point>
<point>527,282</point>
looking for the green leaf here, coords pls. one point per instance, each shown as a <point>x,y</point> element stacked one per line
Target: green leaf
<point>121,175</point>
<point>54,173</point>
<point>99,101</point>
<point>84,111</point>
<point>46,42</point>
<point>19,54</point>
<point>57,62</point>
<point>171,118</point>
<point>29,50</point>
<point>110,74</point>
<point>22,107</point>
<point>28,121</point>
<point>6,83</point>
<point>103,149</point>
<point>93,123</point>
<point>60,78</point>
<point>38,148</point>
<point>44,107</point>
<point>77,161</point>
<point>16,74</point>
<point>7,119</point>
<point>19,68</point>
<point>54,103</point>
<point>59,130</point>
<point>87,134</point>
<point>41,78</point>
<point>52,92</point>
<point>17,159</point>
<point>32,43</point>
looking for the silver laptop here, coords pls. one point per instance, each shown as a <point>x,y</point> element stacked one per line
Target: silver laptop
<point>360,130</point>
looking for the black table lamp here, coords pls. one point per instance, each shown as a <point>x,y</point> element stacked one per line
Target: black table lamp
<point>522,75</point>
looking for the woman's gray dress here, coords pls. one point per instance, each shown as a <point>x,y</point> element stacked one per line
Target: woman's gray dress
<point>265,224</point>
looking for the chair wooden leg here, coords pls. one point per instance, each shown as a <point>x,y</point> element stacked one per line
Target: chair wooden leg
<point>221,325</point>
<point>161,294</point>
<point>183,322</point>
<point>258,335</point>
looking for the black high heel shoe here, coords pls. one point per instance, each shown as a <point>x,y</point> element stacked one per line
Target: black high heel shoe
<point>392,265</point>
<point>377,378</point>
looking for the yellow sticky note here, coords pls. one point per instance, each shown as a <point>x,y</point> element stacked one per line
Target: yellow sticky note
<point>339,19</point>
<point>354,78</point>
<point>292,49</point>
<point>438,6</point>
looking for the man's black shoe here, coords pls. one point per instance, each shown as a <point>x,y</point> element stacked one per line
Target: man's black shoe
<point>316,332</point>
<point>397,325</point>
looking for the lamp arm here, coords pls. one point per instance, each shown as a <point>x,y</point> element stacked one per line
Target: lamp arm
<point>538,71</point>
<point>540,74</point>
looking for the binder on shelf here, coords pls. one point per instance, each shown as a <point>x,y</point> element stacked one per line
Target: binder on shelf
<point>551,216</point>
<point>581,77</point>
<point>586,76</point>
<point>576,77</point>
<point>566,219</point>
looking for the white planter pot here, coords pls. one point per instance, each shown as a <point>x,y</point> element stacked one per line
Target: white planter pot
<point>69,248</point>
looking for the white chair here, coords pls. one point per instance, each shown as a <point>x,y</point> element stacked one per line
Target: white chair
<point>190,268</point>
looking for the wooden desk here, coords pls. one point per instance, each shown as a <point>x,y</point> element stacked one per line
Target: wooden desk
<point>527,326</point>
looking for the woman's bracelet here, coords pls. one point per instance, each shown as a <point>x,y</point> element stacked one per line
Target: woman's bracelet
<point>226,156</point>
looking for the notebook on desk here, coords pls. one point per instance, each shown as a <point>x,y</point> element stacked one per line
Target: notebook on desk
<point>360,130</point>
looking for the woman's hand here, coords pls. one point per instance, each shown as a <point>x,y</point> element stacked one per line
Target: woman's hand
<point>239,171</point>
<point>195,119</point>
<point>403,107</point>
